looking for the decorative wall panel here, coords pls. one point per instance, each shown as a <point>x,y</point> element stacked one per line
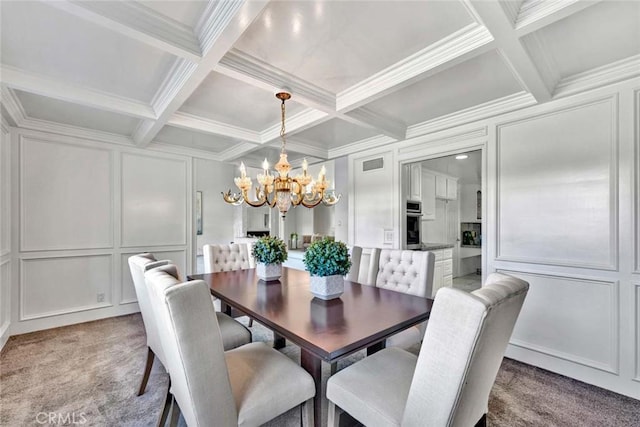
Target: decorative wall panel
<point>557,187</point>
<point>154,201</point>
<point>65,196</point>
<point>51,286</point>
<point>5,286</point>
<point>570,318</point>
<point>5,193</point>
<point>128,291</point>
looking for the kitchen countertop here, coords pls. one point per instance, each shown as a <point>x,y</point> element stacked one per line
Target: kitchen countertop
<point>436,246</point>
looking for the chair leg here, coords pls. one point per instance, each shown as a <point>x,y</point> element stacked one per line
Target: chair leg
<point>334,415</point>
<point>306,413</point>
<point>482,422</point>
<point>334,368</point>
<point>175,414</point>
<point>167,407</point>
<point>250,322</point>
<point>147,370</point>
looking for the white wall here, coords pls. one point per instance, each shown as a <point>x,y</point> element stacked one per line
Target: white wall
<point>81,208</point>
<point>562,201</point>
<point>212,178</point>
<point>5,233</point>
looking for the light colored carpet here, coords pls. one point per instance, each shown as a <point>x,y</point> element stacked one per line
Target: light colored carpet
<point>92,371</point>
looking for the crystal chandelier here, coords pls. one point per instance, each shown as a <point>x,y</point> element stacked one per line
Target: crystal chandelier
<point>281,190</point>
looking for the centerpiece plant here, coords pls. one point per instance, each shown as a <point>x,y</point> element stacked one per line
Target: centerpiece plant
<point>327,261</point>
<point>269,252</point>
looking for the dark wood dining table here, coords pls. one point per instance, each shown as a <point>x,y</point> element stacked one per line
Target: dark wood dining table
<point>363,317</point>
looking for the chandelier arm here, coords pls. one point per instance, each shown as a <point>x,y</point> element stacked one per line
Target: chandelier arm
<point>260,202</point>
<point>231,198</point>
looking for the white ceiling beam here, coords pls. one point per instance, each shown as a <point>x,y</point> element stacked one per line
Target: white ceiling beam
<point>202,124</point>
<point>236,151</point>
<point>536,14</point>
<point>297,123</point>
<point>222,25</point>
<point>138,22</point>
<point>514,53</point>
<point>470,41</point>
<point>46,86</point>
<point>376,121</point>
<point>307,149</point>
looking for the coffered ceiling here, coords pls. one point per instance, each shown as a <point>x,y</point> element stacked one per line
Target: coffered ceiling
<point>199,77</point>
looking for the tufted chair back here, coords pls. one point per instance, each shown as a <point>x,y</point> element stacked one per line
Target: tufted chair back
<point>409,272</point>
<point>138,264</point>
<point>225,257</point>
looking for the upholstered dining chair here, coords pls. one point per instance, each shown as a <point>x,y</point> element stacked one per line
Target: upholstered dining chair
<point>247,386</point>
<point>364,266</point>
<point>233,333</point>
<point>448,384</point>
<point>409,272</point>
<point>227,258</point>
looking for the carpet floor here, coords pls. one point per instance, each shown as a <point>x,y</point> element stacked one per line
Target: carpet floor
<point>88,374</point>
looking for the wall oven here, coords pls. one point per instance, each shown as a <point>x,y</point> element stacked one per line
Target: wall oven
<point>413,224</point>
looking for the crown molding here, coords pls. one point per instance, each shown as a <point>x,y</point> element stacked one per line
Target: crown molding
<point>297,123</point>
<point>601,76</point>
<point>373,120</point>
<point>446,52</point>
<point>308,149</point>
<point>4,124</point>
<point>236,151</point>
<point>225,24</point>
<point>536,14</point>
<point>13,105</point>
<point>445,137</point>
<point>502,105</point>
<point>362,145</point>
<point>182,151</point>
<point>241,66</point>
<point>75,131</point>
<point>202,124</point>
<point>46,86</point>
<point>139,23</point>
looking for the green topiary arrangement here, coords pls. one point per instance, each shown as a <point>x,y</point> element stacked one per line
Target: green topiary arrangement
<point>270,250</point>
<point>327,257</point>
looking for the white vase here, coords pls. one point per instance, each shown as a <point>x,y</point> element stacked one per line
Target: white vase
<point>327,287</point>
<point>268,272</point>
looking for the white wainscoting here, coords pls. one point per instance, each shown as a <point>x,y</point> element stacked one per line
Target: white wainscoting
<point>65,196</point>
<point>128,291</point>
<point>5,300</point>
<point>6,264</point>
<point>61,285</point>
<point>579,324</point>
<point>636,178</point>
<point>557,187</point>
<point>636,347</point>
<point>154,201</point>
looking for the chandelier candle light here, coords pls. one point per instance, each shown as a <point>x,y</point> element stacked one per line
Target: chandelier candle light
<point>282,190</point>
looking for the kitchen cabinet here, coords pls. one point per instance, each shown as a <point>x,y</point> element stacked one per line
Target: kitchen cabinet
<point>446,188</point>
<point>443,269</point>
<point>428,196</point>
<point>413,181</point>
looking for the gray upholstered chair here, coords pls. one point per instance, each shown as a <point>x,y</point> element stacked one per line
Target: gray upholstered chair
<point>448,384</point>
<point>246,386</point>
<point>234,334</point>
<point>227,258</point>
<point>364,266</point>
<point>409,272</point>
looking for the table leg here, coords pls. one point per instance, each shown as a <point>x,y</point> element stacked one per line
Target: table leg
<point>376,347</point>
<point>225,308</point>
<point>278,341</point>
<point>312,364</point>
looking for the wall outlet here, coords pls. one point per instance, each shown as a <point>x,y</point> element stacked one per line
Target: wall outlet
<point>101,297</point>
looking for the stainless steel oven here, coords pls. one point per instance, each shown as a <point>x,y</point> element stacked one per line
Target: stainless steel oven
<point>413,224</point>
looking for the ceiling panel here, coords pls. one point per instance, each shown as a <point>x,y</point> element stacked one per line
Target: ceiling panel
<point>334,133</point>
<point>42,39</point>
<point>272,154</point>
<point>185,12</point>
<point>225,99</point>
<point>337,44</point>
<point>598,35</point>
<point>40,107</point>
<point>194,139</point>
<point>478,80</point>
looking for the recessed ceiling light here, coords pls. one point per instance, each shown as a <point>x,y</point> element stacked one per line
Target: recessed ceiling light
<point>461,157</point>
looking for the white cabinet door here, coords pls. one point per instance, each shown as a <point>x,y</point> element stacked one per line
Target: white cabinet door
<point>452,189</point>
<point>406,181</point>
<point>437,277</point>
<point>416,182</point>
<point>428,196</point>
<point>441,187</point>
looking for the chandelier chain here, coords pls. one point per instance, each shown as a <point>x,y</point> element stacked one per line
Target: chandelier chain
<point>282,129</point>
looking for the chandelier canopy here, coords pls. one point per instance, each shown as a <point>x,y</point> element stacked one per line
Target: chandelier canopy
<point>282,190</point>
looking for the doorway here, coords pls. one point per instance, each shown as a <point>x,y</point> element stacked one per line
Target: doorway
<point>451,196</point>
